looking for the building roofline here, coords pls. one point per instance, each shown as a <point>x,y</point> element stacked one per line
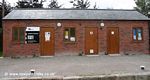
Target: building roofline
<point>72,9</point>
<point>85,19</point>
<point>47,13</point>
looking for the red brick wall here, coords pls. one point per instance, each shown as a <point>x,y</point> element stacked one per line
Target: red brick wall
<point>125,33</point>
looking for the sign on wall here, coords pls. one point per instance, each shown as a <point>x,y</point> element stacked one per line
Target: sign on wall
<point>47,36</point>
<point>32,34</point>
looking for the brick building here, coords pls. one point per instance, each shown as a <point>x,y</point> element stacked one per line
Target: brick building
<point>46,32</point>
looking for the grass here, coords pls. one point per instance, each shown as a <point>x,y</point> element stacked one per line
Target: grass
<point>1,53</point>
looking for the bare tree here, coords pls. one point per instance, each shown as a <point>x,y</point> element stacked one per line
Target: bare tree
<point>80,4</point>
<point>95,6</point>
<point>30,4</point>
<point>5,8</point>
<point>54,4</point>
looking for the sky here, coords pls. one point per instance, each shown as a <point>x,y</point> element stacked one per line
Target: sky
<point>101,4</point>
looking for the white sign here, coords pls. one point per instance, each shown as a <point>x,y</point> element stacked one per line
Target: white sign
<point>91,32</point>
<point>91,51</point>
<point>112,32</point>
<point>30,37</point>
<point>33,29</point>
<point>72,38</point>
<point>47,36</point>
<point>66,37</point>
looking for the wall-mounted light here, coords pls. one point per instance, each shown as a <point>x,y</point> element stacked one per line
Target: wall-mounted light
<point>59,24</point>
<point>102,24</point>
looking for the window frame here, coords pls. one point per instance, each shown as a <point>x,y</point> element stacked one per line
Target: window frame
<point>68,41</point>
<point>18,41</point>
<point>137,34</point>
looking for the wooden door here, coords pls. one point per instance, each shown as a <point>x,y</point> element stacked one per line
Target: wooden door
<point>91,41</point>
<point>47,41</point>
<point>113,40</point>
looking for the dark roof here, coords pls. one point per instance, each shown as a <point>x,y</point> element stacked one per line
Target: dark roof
<point>87,14</point>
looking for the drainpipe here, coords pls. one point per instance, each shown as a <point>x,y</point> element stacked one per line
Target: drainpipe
<point>149,30</point>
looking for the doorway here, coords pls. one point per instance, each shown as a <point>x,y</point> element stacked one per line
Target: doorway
<point>91,40</point>
<point>47,41</point>
<point>112,40</point>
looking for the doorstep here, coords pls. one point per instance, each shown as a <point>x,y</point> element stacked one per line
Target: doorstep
<point>114,54</point>
<point>91,55</point>
<point>46,56</point>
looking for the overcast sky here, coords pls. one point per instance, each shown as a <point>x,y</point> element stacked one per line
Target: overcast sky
<point>101,4</point>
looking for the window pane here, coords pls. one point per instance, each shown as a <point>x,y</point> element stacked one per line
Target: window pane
<point>139,34</point>
<point>72,32</point>
<point>134,34</point>
<point>21,35</point>
<point>66,34</point>
<point>15,34</point>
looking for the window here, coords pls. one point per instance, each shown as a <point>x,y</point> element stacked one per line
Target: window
<point>137,34</point>
<point>69,35</point>
<point>32,34</point>
<point>18,35</point>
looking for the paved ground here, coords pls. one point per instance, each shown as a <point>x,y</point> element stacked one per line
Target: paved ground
<point>73,66</point>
